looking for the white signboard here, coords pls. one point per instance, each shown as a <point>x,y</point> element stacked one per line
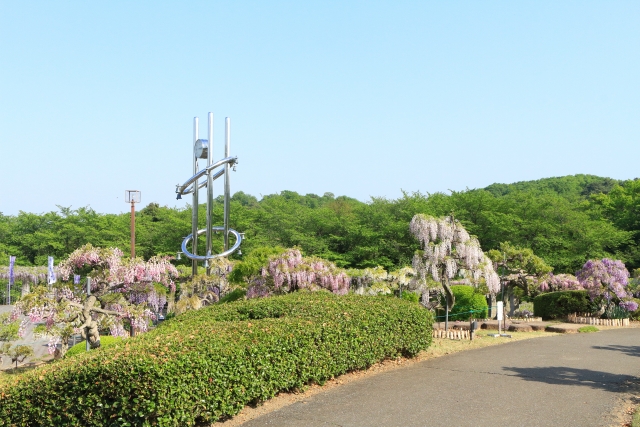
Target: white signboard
<point>499,311</point>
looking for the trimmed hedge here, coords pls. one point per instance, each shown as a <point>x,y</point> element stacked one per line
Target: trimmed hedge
<point>105,342</point>
<point>208,364</point>
<point>555,305</point>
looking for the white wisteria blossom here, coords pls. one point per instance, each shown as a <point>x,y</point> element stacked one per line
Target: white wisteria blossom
<point>448,252</point>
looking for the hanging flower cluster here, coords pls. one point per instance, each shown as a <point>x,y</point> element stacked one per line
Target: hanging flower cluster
<point>291,271</point>
<point>606,281</point>
<point>32,275</point>
<point>606,277</point>
<point>448,251</point>
<point>110,270</point>
<point>560,282</point>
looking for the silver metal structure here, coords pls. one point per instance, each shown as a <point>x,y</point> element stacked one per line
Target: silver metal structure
<point>203,149</point>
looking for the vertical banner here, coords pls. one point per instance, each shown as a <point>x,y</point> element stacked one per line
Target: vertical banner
<point>12,261</point>
<point>52,274</point>
<point>76,279</point>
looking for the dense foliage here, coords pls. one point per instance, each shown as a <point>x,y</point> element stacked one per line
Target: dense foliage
<point>234,354</point>
<point>470,303</point>
<point>81,347</point>
<point>565,221</point>
<point>556,305</point>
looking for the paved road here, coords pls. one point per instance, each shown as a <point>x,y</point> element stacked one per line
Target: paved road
<point>39,345</point>
<point>569,380</point>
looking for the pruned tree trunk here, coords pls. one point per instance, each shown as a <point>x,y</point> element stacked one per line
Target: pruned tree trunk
<point>513,303</point>
<point>450,301</point>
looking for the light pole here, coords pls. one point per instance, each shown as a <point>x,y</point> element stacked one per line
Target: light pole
<point>133,197</point>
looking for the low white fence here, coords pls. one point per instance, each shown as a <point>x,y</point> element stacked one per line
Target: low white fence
<point>453,334</point>
<point>574,318</point>
<point>525,319</point>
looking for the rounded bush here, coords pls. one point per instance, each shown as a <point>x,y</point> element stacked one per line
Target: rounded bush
<point>468,299</point>
<point>555,305</point>
<point>81,347</point>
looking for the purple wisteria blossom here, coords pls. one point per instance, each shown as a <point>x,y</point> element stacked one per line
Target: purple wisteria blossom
<point>291,271</point>
<point>606,281</point>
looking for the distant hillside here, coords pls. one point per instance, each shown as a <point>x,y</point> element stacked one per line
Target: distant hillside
<point>571,186</point>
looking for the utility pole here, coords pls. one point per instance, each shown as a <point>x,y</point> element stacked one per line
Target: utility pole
<point>133,197</point>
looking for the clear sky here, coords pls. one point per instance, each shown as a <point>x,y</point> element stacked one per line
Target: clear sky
<point>355,98</point>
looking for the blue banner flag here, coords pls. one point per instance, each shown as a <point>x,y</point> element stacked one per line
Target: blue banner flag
<point>12,261</point>
<point>76,279</point>
<point>52,274</point>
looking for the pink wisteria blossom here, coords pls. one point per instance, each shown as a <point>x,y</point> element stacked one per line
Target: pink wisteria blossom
<point>291,271</point>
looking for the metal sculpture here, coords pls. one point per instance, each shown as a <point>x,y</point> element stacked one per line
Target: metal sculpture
<point>203,149</point>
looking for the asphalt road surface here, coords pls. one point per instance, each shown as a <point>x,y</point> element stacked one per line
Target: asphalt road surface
<point>569,380</point>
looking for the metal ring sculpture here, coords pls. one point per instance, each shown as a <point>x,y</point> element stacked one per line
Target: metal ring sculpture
<point>202,149</point>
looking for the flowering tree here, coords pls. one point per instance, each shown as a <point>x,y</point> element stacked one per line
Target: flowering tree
<point>202,290</point>
<point>522,271</point>
<point>120,288</point>
<point>449,252</point>
<point>291,271</point>
<point>606,281</point>
<point>27,275</point>
<point>370,281</point>
<point>560,282</point>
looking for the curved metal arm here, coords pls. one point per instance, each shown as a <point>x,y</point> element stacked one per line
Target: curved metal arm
<point>203,183</point>
<point>227,160</point>
<point>228,252</point>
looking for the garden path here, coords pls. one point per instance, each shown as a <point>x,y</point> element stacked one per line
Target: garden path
<point>568,380</point>
<point>39,345</point>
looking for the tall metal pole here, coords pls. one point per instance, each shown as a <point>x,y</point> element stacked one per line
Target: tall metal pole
<point>209,193</point>
<point>133,229</point>
<point>227,185</point>
<point>194,203</point>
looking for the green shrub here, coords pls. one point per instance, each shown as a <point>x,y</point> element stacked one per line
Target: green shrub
<point>588,329</point>
<point>208,364</point>
<point>234,295</point>
<point>410,296</point>
<point>253,263</point>
<point>615,312</point>
<point>555,305</point>
<point>469,303</point>
<point>81,347</point>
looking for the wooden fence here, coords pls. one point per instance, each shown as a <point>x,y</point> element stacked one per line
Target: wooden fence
<point>525,319</point>
<point>574,318</point>
<point>453,334</point>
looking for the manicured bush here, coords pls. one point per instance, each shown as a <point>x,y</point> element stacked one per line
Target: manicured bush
<point>469,303</point>
<point>555,305</point>
<point>234,295</point>
<point>81,347</point>
<point>410,296</point>
<point>208,364</point>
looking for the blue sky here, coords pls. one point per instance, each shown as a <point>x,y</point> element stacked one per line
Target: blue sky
<point>355,98</point>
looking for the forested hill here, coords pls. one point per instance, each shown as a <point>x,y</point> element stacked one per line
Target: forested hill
<point>573,187</point>
<point>565,220</point>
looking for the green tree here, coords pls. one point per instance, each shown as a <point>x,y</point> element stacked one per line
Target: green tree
<point>521,271</point>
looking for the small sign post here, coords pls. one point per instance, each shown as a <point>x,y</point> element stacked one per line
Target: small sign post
<point>499,313</point>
